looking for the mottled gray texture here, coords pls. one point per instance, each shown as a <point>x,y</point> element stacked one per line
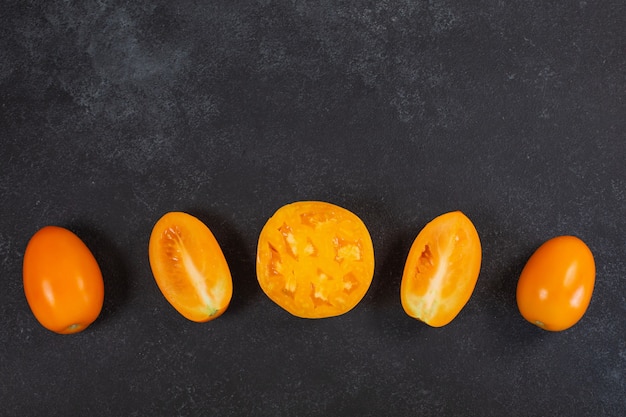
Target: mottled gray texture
<point>113,113</point>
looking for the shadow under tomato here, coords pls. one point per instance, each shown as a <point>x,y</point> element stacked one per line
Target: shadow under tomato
<point>385,289</point>
<point>113,265</point>
<point>384,295</point>
<point>239,256</point>
<point>505,252</point>
<point>390,243</point>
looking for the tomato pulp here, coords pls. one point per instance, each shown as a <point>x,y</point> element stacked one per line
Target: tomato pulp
<point>315,259</point>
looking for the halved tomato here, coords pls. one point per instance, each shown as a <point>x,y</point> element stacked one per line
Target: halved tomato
<point>189,267</point>
<point>315,259</point>
<point>441,269</point>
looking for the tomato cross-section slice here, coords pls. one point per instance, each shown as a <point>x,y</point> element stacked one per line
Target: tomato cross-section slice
<point>189,267</point>
<point>315,259</point>
<point>441,269</point>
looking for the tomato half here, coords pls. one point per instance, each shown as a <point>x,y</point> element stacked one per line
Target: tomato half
<point>315,259</point>
<point>189,267</point>
<point>555,286</point>
<point>441,269</point>
<point>62,281</point>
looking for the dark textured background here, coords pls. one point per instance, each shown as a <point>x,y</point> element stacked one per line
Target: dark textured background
<point>113,113</point>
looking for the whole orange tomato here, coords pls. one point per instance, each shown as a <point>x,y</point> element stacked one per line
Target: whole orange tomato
<point>62,281</point>
<point>555,287</point>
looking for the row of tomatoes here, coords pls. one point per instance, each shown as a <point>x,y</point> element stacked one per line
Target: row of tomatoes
<point>315,260</point>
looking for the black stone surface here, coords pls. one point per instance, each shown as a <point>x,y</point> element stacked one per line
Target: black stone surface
<point>113,113</point>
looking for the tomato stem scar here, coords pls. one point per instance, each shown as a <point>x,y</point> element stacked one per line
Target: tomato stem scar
<point>74,327</point>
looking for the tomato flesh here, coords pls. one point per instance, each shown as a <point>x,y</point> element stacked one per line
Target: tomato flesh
<point>189,267</point>
<point>315,259</point>
<point>441,269</point>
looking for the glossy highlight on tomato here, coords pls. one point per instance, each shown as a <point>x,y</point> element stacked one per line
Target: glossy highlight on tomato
<point>62,281</point>
<point>441,269</point>
<point>555,287</point>
<point>315,259</point>
<point>189,267</point>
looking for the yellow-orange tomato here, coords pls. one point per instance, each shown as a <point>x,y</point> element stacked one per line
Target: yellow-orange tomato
<point>189,267</point>
<point>555,286</point>
<point>62,281</point>
<point>441,269</point>
<point>315,259</point>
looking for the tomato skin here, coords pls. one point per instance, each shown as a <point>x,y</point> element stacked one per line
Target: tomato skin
<point>62,281</point>
<point>441,269</point>
<point>555,287</point>
<point>189,267</point>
